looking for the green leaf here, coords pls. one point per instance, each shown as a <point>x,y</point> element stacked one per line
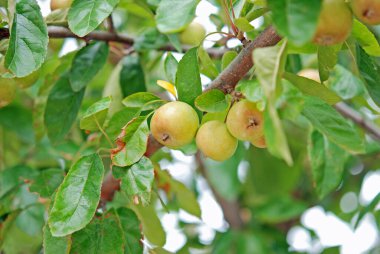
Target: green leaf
<point>170,66</point>
<point>313,88</point>
<point>18,119</point>
<point>186,198</point>
<point>137,180</point>
<point>345,83</point>
<point>269,72</point>
<point>87,63</point>
<point>86,16</point>
<point>174,15</point>
<point>279,209</point>
<point>253,91</point>
<point>143,101</point>
<point>243,24</point>
<point>227,58</point>
<point>151,224</point>
<point>208,67</point>
<point>369,70</point>
<point>188,80</point>
<point>327,59</point>
<point>118,120</point>
<point>130,226</point>
<point>47,182</point>
<point>329,122</point>
<point>12,178</point>
<point>132,78</point>
<point>28,39</point>
<point>77,197</point>
<point>136,140</point>
<point>296,19</point>
<point>212,101</point>
<point>95,115</point>
<point>62,108</point>
<point>327,163</point>
<point>102,236</point>
<point>55,245</point>
<point>365,38</point>
<point>370,207</point>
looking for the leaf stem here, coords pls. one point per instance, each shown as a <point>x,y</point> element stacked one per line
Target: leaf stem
<point>103,132</point>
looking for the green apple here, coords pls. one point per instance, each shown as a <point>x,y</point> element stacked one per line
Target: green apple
<point>193,34</point>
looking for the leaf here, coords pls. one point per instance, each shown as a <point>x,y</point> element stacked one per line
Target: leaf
<point>296,19</point>
<point>227,58</point>
<point>151,224</point>
<point>313,88</point>
<point>186,198</point>
<point>135,139</point>
<point>137,180</point>
<point>28,39</point>
<point>118,120</point>
<point>278,209</point>
<point>18,119</point>
<point>275,136</point>
<point>211,101</point>
<point>208,67</point>
<point>12,178</point>
<point>143,101</point>
<point>77,197</point>
<point>365,38</point>
<point>327,59</point>
<point>170,65</point>
<point>370,207</point>
<point>253,91</point>
<point>86,16</point>
<point>87,63</point>
<point>132,78</point>
<point>95,115</point>
<point>327,163</point>
<point>168,87</point>
<point>102,236</point>
<point>345,83</point>
<point>369,71</point>
<point>269,72</point>
<point>188,80</point>
<point>47,182</point>
<point>55,245</point>
<point>243,24</point>
<point>62,108</point>
<point>130,226</point>
<point>174,15</point>
<point>330,123</point>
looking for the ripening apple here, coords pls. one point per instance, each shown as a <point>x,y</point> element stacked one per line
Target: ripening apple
<point>335,23</point>
<point>245,121</point>
<point>193,34</point>
<point>368,11</point>
<point>174,124</point>
<point>7,91</point>
<point>60,4</point>
<point>260,142</point>
<point>215,141</point>
<point>310,74</point>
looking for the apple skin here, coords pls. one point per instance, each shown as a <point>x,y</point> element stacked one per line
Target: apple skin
<point>260,142</point>
<point>367,11</point>
<point>7,91</point>
<point>310,74</point>
<point>335,23</point>
<point>27,81</point>
<point>215,141</point>
<point>245,121</point>
<point>193,34</point>
<point>174,124</point>
<point>60,4</point>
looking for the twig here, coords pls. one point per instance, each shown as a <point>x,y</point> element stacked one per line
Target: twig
<point>355,116</point>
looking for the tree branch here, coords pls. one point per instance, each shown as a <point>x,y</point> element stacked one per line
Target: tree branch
<point>63,32</point>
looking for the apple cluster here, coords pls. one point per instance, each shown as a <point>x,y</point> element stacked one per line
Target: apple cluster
<point>335,20</point>
<point>176,123</point>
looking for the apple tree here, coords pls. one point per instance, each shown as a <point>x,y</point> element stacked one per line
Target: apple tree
<point>275,106</point>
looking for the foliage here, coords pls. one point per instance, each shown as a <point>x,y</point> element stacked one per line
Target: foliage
<point>80,171</point>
